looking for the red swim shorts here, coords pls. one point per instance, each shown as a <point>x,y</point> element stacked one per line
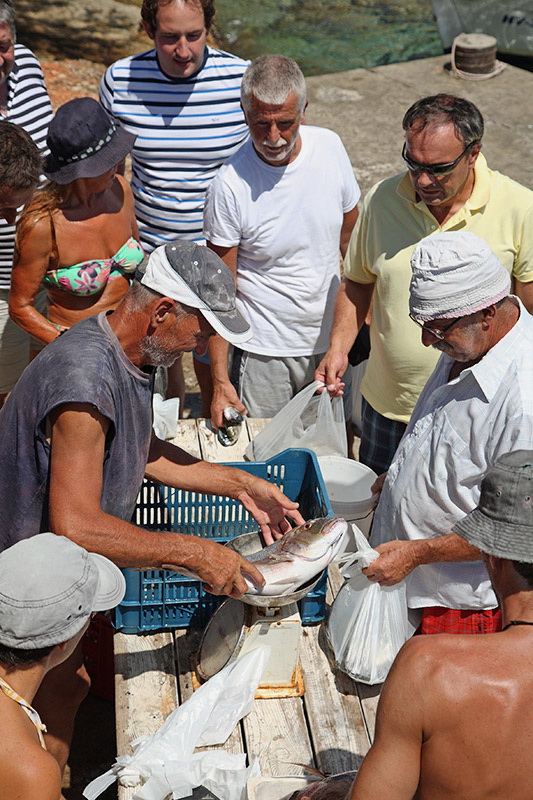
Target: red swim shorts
<point>436,619</point>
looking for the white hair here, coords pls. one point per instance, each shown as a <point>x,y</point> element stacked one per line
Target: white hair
<point>271,79</point>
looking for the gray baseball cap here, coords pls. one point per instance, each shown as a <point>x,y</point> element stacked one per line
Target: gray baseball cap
<point>192,274</point>
<point>502,523</point>
<point>49,586</point>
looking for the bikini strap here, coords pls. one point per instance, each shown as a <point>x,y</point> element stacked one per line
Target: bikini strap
<point>40,727</point>
<point>54,253</point>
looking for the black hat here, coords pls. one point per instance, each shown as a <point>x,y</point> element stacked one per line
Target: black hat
<point>84,142</point>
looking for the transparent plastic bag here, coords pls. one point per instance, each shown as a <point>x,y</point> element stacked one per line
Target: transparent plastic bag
<point>367,624</point>
<point>165,416</point>
<point>166,761</point>
<point>312,421</point>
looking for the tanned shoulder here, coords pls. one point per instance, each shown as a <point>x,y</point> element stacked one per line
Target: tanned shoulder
<point>35,775</point>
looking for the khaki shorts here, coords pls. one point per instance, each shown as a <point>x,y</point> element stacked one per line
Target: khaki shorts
<point>265,384</point>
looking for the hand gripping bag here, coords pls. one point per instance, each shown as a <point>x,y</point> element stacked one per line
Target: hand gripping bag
<point>309,420</point>
<point>367,624</point>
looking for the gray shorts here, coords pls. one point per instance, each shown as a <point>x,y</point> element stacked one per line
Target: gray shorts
<point>265,384</point>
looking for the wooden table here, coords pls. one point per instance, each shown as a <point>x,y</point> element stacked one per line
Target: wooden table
<point>330,727</point>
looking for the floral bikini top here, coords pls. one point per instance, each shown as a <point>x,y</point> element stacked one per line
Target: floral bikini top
<point>90,277</point>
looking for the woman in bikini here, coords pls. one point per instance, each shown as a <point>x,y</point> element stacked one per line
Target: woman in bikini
<point>78,236</point>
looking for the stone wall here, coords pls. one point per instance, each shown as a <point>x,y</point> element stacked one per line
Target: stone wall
<point>98,30</point>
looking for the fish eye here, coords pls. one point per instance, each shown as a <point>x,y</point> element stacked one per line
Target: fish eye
<point>308,525</point>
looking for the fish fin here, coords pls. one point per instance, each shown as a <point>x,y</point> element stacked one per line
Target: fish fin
<point>182,571</point>
<point>309,770</point>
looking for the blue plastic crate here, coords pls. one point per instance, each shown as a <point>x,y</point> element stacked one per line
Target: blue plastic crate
<point>157,599</point>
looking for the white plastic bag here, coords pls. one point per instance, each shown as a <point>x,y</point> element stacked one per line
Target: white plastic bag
<point>166,415</point>
<point>308,420</point>
<point>166,760</point>
<point>368,622</point>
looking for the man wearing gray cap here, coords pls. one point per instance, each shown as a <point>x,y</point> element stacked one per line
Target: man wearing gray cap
<point>477,405</point>
<point>49,588</point>
<point>76,433</point>
<point>454,718</point>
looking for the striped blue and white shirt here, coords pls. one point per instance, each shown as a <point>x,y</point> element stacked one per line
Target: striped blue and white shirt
<point>28,105</point>
<point>186,129</point>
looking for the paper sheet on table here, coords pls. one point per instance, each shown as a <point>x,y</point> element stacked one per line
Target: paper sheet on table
<point>166,760</point>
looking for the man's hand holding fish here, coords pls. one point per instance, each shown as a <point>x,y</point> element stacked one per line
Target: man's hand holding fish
<point>277,570</point>
<point>270,508</point>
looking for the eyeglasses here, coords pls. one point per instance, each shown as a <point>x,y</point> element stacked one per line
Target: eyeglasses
<point>438,333</point>
<point>434,169</point>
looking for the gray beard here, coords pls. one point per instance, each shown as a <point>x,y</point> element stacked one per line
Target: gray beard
<point>153,354</point>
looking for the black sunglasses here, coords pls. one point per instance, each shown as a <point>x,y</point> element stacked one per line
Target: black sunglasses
<point>438,333</point>
<point>434,169</point>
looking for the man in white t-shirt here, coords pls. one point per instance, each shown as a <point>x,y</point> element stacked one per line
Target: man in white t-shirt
<point>279,213</point>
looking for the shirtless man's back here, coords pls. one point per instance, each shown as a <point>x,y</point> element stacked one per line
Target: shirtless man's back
<point>454,719</point>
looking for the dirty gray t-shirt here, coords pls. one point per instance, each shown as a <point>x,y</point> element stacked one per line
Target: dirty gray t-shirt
<point>84,365</point>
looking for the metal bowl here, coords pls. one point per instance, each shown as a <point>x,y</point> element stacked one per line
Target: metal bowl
<point>246,545</point>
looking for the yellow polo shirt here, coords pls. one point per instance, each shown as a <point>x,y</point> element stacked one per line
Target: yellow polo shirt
<point>391,223</point>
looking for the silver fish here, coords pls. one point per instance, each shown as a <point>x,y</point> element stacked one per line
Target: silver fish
<point>298,556</point>
<point>293,560</point>
<point>228,433</point>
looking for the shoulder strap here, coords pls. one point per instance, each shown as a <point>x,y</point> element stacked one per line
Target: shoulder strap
<point>54,252</point>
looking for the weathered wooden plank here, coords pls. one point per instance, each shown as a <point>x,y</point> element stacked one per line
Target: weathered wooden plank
<point>335,581</point>
<point>187,643</point>
<point>211,448</point>
<point>275,732</point>
<point>255,425</point>
<point>146,691</point>
<point>369,696</point>
<point>338,730</point>
<point>187,437</point>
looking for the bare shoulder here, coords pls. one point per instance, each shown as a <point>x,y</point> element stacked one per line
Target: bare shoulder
<point>34,773</point>
<point>438,669</point>
<point>34,238</point>
<point>427,661</point>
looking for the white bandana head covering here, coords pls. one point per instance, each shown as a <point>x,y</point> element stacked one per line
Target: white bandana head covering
<point>455,274</point>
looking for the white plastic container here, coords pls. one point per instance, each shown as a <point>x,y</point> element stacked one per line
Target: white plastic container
<point>348,484</point>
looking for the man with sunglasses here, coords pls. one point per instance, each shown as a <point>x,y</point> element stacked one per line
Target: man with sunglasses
<point>448,186</point>
<point>476,406</point>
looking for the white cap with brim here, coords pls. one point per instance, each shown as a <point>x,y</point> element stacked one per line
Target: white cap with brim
<point>196,276</point>
<point>49,587</point>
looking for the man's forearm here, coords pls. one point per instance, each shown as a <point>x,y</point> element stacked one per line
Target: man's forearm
<point>449,547</point>
<point>398,557</point>
<point>121,541</point>
<point>351,307</point>
<point>218,355</point>
<point>173,466</point>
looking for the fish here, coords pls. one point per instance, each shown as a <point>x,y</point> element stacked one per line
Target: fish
<point>228,433</point>
<point>300,555</point>
<point>296,558</point>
